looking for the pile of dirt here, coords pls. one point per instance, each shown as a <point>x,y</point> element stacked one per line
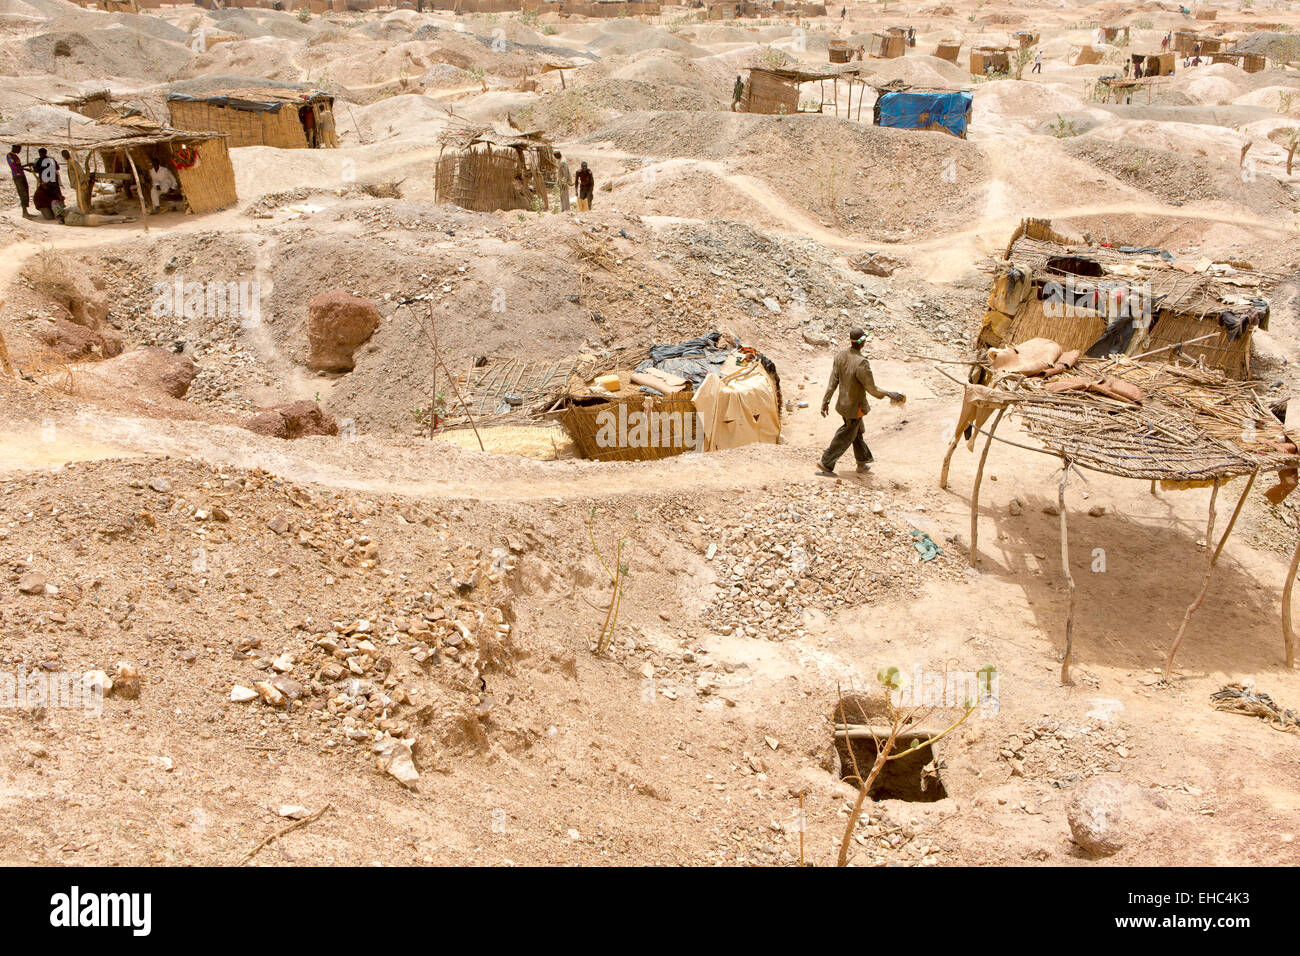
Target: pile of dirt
<point>1013,105</point>
<point>1178,178</point>
<point>923,71</point>
<point>820,164</point>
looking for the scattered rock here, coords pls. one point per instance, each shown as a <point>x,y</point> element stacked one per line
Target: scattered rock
<point>816,338</point>
<point>1097,817</point>
<point>32,583</point>
<point>239,694</point>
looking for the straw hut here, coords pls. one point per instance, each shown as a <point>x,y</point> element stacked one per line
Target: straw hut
<point>1189,43</point>
<point>775,91</point>
<point>284,118</point>
<point>120,6</point>
<point>948,51</point>
<point>1024,39</point>
<point>839,52</point>
<point>1104,300</point>
<point>114,156</point>
<point>484,169</point>
<point>1153,64</point>
<point>887,46</point>
<point>990,59</point>
<point>1250,62</point>
<point>705,394</point>
<point>1205,13</point>
<point>1115,35</point>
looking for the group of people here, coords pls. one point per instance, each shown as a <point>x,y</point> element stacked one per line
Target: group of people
<point>583,181</point>
<point>48,199</point>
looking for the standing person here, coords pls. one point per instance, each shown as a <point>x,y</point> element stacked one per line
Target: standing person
<point>161,181</point>
<point>562,180</point>
<point>1038,62</point>
<point>586,184</point>
<point>737,93</point>
<point>851,374</point>
<point>843,12</point>
<point>77,180</point>
<point>49,190</point>
<point>20,178</point>
<point>326,134</point>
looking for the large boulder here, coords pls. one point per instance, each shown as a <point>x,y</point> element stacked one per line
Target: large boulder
<point>337,324</point>
<point>292,420</point>
<point>1105,815</point>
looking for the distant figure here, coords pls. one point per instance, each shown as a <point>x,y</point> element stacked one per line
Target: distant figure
<point>161,181</point>
<point>1128,69</point>
<point>49,191</point>
<point>1164,42</point>
<point>843,12</point>
<point>911,36</point>
<point>737,93</point>
<point>76,176</point>
<point>307,116</point>
<point>562,180</point>
<point>1038,62</point>
<point>586,184</point>
<point>851,375</point>
<point>326,137</point>
<point>1137,69</point>
<point>20,178</point>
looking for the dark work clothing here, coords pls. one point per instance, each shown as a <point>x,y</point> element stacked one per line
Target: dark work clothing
<point>848,434</point>
<point>20,186</point>
<point>851,374</point>
<point>585,183</point>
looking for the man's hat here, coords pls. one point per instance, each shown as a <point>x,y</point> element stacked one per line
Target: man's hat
<point>857,336</point>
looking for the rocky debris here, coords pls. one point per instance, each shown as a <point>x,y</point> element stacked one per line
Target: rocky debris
<point>126,682</point>
<point>1063,753</point>
<point>152,371</point>
<point>293,420</point>
<point>291,811</point>
<point>813,337</point>
<point>76,342</point>
<point>803,552</point>
<point>394,757</point>
<point>240,694</point>
<point>337,324</point>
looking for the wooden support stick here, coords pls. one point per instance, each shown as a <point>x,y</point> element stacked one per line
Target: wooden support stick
<point>947,457</point>
<point>975,492</point>
<point>289,829</point>
<point>1288,634</point>
<point>144,213</point>
<point>1069,578</point>
<point>437,354</point>
<point>1233,520</point>
<point>1205,585</point>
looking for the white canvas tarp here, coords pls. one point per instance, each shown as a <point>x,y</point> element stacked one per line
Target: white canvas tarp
<point>738,407</point>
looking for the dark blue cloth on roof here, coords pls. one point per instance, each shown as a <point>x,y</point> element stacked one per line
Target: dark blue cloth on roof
<point>910,109</point>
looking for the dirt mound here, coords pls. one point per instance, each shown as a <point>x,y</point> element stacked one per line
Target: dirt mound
<point>1278,99</point>
<point>95,53</point>
<point>922,70</point>
<point>150,372</point>
<point>1177,177</point>
<point>1212,90</point>
<point>581,110</point>
<point>1007,105</point>
<point>869,177</point>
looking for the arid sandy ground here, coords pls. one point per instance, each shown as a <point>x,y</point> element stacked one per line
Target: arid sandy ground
<point>157,532</point>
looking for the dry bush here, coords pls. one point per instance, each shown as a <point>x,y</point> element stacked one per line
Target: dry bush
<point>46,274</point>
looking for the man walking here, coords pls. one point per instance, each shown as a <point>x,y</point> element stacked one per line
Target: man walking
<point>15,159</point>
<point>737,93</point>
<point>1038,62</point>
<point>586,184</point>
<point>851,374</point>
<point>562,179</point>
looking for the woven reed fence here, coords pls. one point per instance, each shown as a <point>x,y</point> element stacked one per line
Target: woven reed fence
<point>281,128</point>
<point>484,178</point>
<point>887,46</point>
<point>608,430</point>
<point>948,51</point>
<point>981,60</point>
<point>769,93</point>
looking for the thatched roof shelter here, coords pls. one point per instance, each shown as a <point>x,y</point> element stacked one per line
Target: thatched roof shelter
<point>286,118</point>
<point>1180,424</point>
<point>114,155</point>
<point>486,168</point>
<point>775,90</point>
<point>1107,299</point>
<point>1249,62</point>
<point>990,59</point>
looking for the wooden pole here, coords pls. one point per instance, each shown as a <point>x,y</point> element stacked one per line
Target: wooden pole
<point>437,354</point>
<point>1288,633</point>
<point>947,458</point>
<point>1233,520</point>
<point>1205,585</point>
<point>975,492</point>
<point>1069,578</point>
<point>135,173</point>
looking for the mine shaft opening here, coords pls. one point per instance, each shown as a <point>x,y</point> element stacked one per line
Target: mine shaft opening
<point>913,773</point>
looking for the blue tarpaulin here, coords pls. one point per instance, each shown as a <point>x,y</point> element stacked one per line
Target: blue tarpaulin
<point>917,110</point>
